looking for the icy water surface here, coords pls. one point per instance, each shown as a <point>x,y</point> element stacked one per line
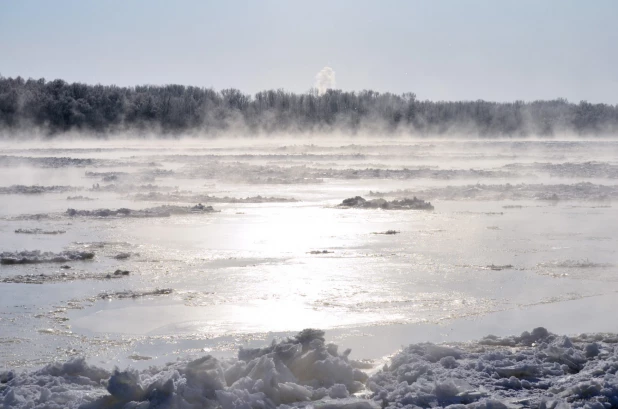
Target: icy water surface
<point>141,271</point>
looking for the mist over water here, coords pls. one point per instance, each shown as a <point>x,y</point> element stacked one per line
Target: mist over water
<point>134,252</point>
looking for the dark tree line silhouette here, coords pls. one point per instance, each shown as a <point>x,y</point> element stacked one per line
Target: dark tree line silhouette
<point>56,106</point>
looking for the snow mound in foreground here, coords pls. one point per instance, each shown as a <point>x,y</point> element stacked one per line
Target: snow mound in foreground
<point>300,369</point>
<point>536,370</point>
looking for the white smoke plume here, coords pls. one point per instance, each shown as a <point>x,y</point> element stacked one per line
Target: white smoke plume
<point>325,79</point>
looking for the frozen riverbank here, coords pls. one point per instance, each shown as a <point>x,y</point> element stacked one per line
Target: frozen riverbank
<point>536,369</point>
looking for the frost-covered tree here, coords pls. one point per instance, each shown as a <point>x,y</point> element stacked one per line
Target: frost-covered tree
<point>57,106</point>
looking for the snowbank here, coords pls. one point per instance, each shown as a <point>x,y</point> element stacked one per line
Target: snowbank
<point>534,370</point>
<point>298,370</point>
<point>537,370</point>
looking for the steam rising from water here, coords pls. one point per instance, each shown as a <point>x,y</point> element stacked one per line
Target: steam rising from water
<point>325,79</point>
<point>521,225</point>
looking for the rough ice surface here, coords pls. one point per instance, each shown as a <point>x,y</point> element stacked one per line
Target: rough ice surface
<point>388,232</point>
<point>54,162</point>
<point>272,174</point>
<point>130,188</point>
<point>61,277</point>
<point>37,257</point>
<point>160,211</point>
<point>574,264</point>
<point>176,197</point>
<point>534,370</point>
<point>80,197</point>
<point>36,189</point>
<point>403,204</point>
<point>302,369</point>
<point>588,169</point>
<point>39,231</point>
<point>130,293</point>
<point>522,191</point>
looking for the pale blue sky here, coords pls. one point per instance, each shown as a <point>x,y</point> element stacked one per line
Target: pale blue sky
<point>439,49</point>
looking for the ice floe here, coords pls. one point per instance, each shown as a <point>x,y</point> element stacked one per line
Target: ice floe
<point>80,197</point>
<point>61,277</point>
<point>403,204</point>
<point>37,257</point>
<point>39,231</point>
<point>507,191</point>
<point>160,211</point>
<point>130,293</point>
<point>175,197</point>
<point>35,189</point>
<point>574,264</point>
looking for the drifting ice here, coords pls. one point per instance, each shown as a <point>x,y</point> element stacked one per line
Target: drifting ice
<point>37,257</point>
<point>403,204</point>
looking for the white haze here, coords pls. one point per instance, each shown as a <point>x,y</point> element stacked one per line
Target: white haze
<point>522,234</point>
<point>325,80</point>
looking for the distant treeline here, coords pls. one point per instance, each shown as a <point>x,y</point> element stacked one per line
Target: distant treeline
<point>54,107</point>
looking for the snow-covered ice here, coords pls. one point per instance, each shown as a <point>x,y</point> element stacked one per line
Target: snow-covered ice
<point>37,257</point>
<point>403,204</point>
<point>534,370</point>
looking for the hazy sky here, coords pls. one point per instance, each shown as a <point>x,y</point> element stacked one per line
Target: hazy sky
<point>441,50</point>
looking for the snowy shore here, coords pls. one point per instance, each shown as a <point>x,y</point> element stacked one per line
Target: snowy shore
<point>537,369</point>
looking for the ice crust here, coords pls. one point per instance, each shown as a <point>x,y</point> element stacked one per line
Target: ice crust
<point>295,371</point>
<point>35,189</point>
<point>577,191</point>
<point>272,174</point>
<point>574,264</point>
<point>56,162</point>
<point>160,211</point>
<point>80,197</point>
<point>37,257</point>
<point>589,169</point>
<point>536,370</point>
<point>403,204</point>
<point>130,293</point>
<point>129,188</point>
<point>175,197</point>
<point>62,277</point>
<point>39,231</point>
